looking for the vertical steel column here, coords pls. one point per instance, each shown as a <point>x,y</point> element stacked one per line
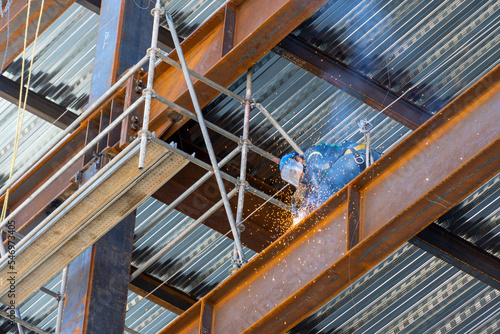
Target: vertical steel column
<point>97,286</point>
<point>206,138</point>
<point>243,168</point>
<point>62,297</point>
<point>157,11</point>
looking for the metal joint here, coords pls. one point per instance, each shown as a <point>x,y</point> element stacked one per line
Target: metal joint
<point>157,10</point>
<point>147,91</point>
<point>240,183</point>
<point>247,142</point>
<point>365,126</point>
<point>152,51</point>
<point>149,135</point>
<point>249,101</point>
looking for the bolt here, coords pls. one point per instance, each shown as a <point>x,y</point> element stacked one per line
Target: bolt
<point>134,119</point>
<point>131,138</point>
<point>138,89</point>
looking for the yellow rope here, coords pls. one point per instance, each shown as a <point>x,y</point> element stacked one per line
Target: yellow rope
<point>21,111</point>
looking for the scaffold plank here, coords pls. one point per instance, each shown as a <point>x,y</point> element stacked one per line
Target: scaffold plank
<point>90,213</point>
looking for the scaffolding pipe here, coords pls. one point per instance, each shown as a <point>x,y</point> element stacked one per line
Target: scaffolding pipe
<point>231,179</point>
<point>203,79</point>
<point>279,128</point>
<point>215,128</point>
<point>181,236</point>
<point>52,145</point>
<point>24,323</point>
<point>206,138</point>
<point>159,217</point>
<point>244,156</point>
<point>54,177</point>
<point>157,11</point>
<point>62,297</point>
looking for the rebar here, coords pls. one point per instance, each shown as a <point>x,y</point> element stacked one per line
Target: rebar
<point>206,138</point>
<point>148,92</point>
<point>181,236</point>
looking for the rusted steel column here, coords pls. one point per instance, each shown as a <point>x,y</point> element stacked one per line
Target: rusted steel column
<point>419,180</point>
<point>98,279</point>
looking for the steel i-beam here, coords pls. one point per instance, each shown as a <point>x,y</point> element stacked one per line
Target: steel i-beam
<point>415,183</point>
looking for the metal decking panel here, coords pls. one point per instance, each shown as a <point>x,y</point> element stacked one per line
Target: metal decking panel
<point>91,214</point>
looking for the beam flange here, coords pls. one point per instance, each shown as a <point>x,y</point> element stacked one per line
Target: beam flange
<point>351,81</point>
<point>419,180</point>
<point>459,253</point>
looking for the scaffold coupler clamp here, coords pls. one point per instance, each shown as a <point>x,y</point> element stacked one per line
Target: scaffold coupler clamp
<point>365,127</point>
<point>154,51</point>
<point>147,91</point>
<point>243,142</point>
<point>243,183</point>
<point>249,101</point>
<point>149,134</point>
<point>157,10</point>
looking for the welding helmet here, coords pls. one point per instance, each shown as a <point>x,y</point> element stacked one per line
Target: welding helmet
<point>291,169</point>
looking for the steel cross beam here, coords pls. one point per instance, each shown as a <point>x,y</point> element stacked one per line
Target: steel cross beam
<point>420,179</point>
<point>459,253</point>
<point>37,104</point>
<point>351,81</point>
<point>223,52</point>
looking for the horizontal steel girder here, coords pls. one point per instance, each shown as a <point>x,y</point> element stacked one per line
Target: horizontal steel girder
<point>352,82</point>
<point>259,26</point>
<point>90,213</point>
<point>418,181</point>
<point>459,253</point>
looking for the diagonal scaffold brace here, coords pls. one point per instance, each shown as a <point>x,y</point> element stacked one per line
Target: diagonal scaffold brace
<point>208,143</point>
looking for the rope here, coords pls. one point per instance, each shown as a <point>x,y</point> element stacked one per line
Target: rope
<point>21,110</point>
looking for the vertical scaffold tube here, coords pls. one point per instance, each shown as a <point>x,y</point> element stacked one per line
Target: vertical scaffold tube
<point>244,156</point>
<point>157,11</point>
<point>206,138</point>
<point>62,296</point>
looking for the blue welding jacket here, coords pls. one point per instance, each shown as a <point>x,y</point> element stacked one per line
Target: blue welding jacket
<point>328,169</point>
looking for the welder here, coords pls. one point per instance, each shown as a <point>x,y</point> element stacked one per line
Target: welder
<point>321,172</point>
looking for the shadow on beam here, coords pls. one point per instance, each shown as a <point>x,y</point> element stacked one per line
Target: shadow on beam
<point>459,253</point>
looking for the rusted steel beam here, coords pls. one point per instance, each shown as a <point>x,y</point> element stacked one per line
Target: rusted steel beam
<point>459,253</point>
<point>166,296</point>
<point>351,81</point>
<point>52,9</point>
<point>259,26</point>
<point>99,278</point>
<point>37,104</point>
<point>419,180</point>
<point>353,215</point>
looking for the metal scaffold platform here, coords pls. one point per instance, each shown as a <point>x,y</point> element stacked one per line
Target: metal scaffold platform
<point>92,211</point>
